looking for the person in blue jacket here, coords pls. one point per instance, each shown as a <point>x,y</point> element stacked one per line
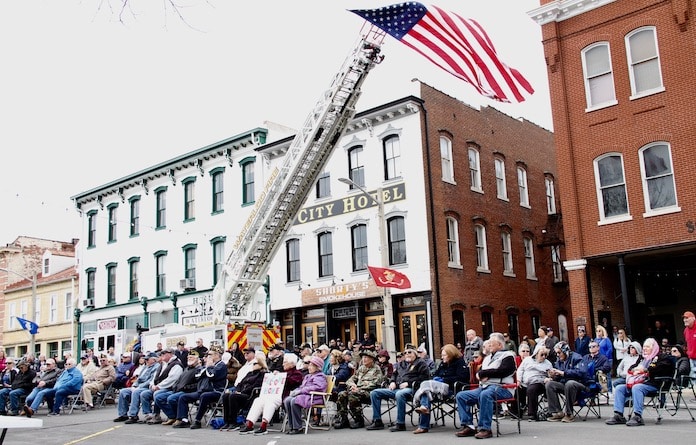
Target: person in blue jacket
<point>69,383</point>
<point>570,375</point>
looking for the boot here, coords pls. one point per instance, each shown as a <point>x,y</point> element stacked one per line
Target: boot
<point>342,423</point>
<point>358,424</point>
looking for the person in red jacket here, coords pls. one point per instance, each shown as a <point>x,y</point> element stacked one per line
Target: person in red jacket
<point>690,338</point>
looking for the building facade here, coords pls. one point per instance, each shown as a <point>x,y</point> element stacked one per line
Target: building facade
<point>42,289</point>
<point>156,240</point>
<point>470,216</point>
<point>621,79</point>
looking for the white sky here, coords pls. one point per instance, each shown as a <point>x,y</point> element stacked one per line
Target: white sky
<point>85,100</point>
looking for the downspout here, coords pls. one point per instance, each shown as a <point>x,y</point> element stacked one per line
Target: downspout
<point>436,291</point>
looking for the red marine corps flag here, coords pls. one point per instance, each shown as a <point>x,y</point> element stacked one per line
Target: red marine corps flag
<point>389,278</point>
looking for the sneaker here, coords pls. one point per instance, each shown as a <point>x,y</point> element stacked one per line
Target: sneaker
<point>618,419</point>
<point>122,419</point>
<point>260,431</point>
<point>181,424</point>
<point>636,420</point>
<point>555,417</point>
<point>53,414</point>
<point>568,419</point>
<point>484,434</point>
<point>131,420</point>
<point>358,424</point>
<point>398,427</point>
<point>13,413</point>
<point>465,432</point>
<point>244,429</point>
<point>196,425</point>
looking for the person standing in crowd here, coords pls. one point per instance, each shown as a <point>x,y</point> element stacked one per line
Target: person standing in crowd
<point>554,337</point>
<point>545,341</point>
<point>621,343</point>
<point>474,343</point>
<point>690,339</point>
<point>582,342</point>
<point>509,343</point>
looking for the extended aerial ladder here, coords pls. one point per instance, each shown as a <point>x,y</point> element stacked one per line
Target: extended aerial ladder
<point>235,293</point>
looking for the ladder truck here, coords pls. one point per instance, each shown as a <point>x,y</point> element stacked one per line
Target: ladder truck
<point>238,295</point>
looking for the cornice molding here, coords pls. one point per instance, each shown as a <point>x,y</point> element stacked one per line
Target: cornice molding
<point>559,10</point>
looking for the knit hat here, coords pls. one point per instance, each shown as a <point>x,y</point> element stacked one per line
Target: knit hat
<point>317,361</point>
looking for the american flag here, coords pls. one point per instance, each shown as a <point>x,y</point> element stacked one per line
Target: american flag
<point>457,45</point>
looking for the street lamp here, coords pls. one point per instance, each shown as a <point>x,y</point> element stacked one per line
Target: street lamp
<point>389,334</point>
<point>32,343</point>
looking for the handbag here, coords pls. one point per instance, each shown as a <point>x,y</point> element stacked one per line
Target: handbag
<point>634,379</point>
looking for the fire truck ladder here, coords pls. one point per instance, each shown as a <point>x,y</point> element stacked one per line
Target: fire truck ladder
<point>289,185</point>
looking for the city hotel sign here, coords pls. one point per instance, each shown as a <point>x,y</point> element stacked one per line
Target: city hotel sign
<point>340,293</point>
<point>397,192</point>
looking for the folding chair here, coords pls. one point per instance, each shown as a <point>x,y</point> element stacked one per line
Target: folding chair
<point>669,396</point>
<point>110,393</point>
<point>327,414</point>
<point>71,402</point>
<point>589,402</point>
<point>498,412</point>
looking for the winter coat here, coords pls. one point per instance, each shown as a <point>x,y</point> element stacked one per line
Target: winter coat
<point>250,382</point>
<point>311,382</point>
<point>366,379</point>
<point>566,365</point>
<point>24,380</point>
<point>341,374</point>
<point>452,372</point>
<point>412,374</point>
<point>49,377</point>
<point>70,379</point>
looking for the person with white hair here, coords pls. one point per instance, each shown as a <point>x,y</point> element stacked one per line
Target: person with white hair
<point>497,369</point>
<point>265,407</point>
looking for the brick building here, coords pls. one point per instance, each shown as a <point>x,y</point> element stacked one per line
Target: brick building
<point>621,77</point>
<point>491,183</point>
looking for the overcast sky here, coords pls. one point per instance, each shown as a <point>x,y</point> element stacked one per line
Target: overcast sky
<point>85,99</point>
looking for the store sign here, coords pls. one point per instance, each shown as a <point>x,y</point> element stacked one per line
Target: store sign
<point>201,312</point>
<point>349,204</point>
<point>340,293</point>
<point>109,324</point>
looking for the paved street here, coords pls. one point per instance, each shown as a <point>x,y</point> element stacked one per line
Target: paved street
<point>97,427</point>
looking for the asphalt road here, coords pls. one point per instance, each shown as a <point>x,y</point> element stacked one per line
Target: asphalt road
<point>97,427</point>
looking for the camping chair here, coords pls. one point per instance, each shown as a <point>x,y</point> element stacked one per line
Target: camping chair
<point>669,396</point>
<point>499,402</point>
<point>327,412</point>
<point>588,401</point>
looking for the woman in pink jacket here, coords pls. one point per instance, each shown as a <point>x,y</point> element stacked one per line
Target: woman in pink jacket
<point>301,398</point>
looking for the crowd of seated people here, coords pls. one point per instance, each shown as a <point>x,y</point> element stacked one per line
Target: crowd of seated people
<point>163,388</point>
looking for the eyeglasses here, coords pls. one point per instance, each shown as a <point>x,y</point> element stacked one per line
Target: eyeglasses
<point>675,350</point>
<point>543,354</point>
<point>594,346</point>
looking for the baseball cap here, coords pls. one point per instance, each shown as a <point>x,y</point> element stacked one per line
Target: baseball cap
<point>688,314</point>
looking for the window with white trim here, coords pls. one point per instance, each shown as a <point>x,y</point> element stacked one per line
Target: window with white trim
<point>659,190</point>
<point>598,75</point>
<point>529,258</point>
<point>611,186</point>
<point>644,62</point>
<point>500,184</point>
<point>446,159</point>
<point>481,249</point>
<point>550,195</point>
<point>53,309</point>
<point>522,186</point>
<point>392,157</point>
<point>453,242</point>
<point>475,169</point>
<point>507,253</point>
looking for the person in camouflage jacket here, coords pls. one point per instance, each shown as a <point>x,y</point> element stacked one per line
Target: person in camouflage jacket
<point>358,387</point>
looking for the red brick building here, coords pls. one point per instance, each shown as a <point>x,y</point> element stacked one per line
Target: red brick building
<point>622,85</point>
<point>491,180</point>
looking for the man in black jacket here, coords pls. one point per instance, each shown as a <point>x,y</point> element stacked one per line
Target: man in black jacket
<point>167,401</point>
<point>22,385</point>
<point>404,382</point>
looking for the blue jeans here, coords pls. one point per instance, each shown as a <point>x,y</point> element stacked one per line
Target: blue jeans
<point>36,396</point>
<point>692,374</point>
<point>424,419</point>
<point>146,405</point>
<point>637,393</point>
<point>135,402</point>
<point>400,395</point>
<point>14,395</point>
<point>59,395</point>
<point>484,398</point>
<point>168,401</point>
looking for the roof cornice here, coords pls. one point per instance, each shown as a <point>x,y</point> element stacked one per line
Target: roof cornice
<point>559,10</point>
